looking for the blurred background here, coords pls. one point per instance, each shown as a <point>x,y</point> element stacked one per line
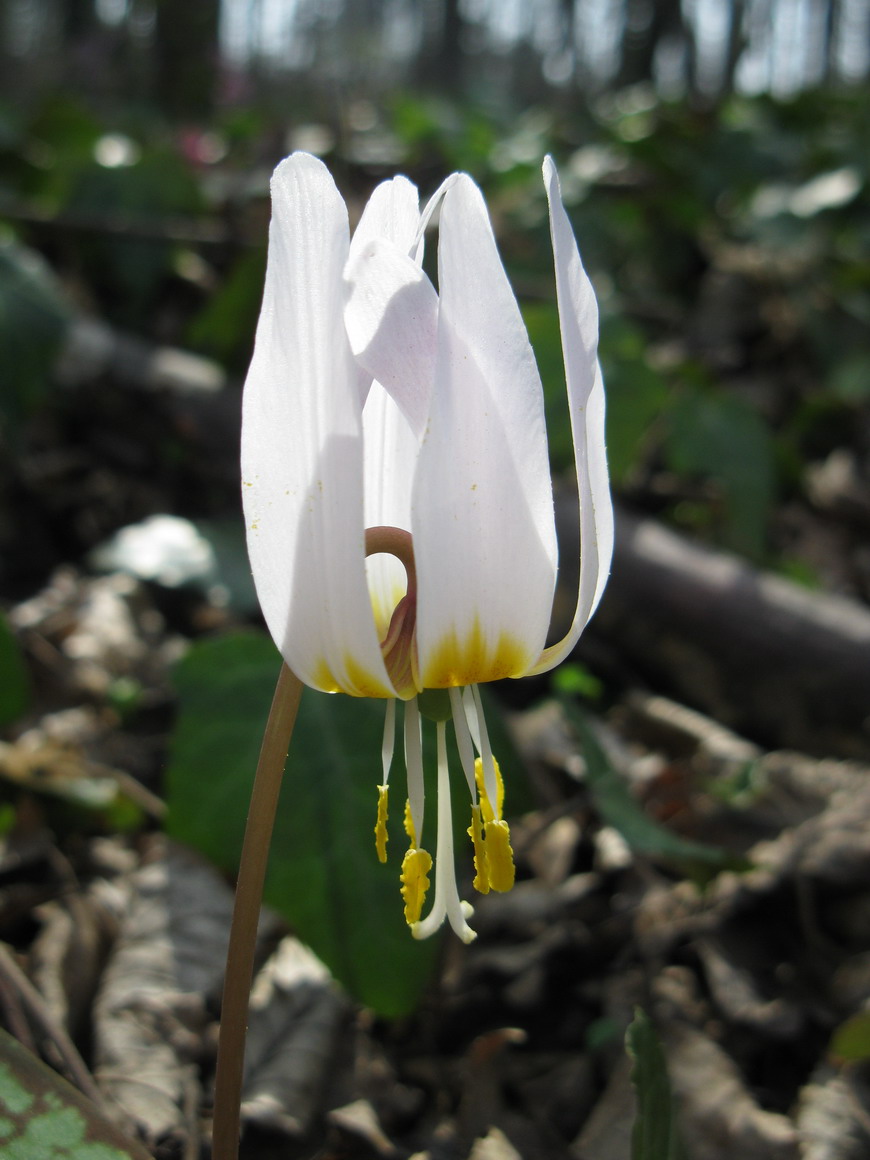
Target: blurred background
<point>714,158</point>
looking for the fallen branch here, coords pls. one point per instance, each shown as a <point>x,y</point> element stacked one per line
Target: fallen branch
<point>785,665</point>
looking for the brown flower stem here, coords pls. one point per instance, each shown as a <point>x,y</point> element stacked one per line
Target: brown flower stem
<point>246,913</point>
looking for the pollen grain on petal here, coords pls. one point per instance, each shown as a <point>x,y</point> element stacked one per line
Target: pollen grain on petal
<point>473,660</point>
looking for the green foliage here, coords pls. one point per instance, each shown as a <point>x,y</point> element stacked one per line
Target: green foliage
<point>850,1043</point>
<point>33,319</point>
<point>43,1118</point>
<point>720,437</point>
<point>617,806</point>
<point>768,198</point>
<point>324,876</point>
<point>72,800</point>
<point>135,200</point>
<point>637,397</point>
<point>14,681</point>
<point>575,680</point>
<point>442,133</point>
<point>655,1135</point>
<point>224,328</point>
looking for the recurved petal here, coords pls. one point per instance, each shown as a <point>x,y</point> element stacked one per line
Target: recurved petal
<point>578,318</point>
<point>482,510</point>
<point>302,452</point>
<point>391,318</point>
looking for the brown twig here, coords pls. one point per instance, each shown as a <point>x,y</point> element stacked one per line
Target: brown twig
<point>12,977</point>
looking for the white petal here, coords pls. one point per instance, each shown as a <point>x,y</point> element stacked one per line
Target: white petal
<point>392,212</point>
<point>482,510</point>
<point>390,455</point>
<point>391,319</point>
<point>302,454</point>
<point>429,212</point>
<point>578,318</point>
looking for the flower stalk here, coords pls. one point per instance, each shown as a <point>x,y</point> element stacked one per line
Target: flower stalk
<point>246,913</point>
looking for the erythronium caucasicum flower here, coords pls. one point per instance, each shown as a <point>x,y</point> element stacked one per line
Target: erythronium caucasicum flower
<point>396,481</point>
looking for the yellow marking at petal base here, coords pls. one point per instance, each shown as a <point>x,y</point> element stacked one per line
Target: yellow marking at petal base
<point>475,832</point>
<point>474,660</point>
<point>365,683</point>
<point>409,823</point>
<point>415,882</point>
<point>500,867</point>
<point>381,835</point>
<point>360,682</point>
<point>323,679</point>
<point>489,814</point>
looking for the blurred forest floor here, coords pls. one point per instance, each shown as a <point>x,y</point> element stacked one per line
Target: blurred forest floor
<point>692,801</point>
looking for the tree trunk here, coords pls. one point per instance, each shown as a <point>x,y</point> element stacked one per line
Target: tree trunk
<point>186,49</point>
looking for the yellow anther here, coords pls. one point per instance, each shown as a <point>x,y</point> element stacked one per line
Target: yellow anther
<point>489,814</point>
<point>475,832</point>
<point>499,856</point>
<point>381,835</point>
<point>415,882</point>
<point>409,823</point>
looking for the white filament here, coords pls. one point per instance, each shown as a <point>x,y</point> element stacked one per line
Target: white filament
<point>447,903</point>
<point>414,765</point>
<point>389,743</point>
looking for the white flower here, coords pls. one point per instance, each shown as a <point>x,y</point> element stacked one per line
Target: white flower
<point>383,419</point>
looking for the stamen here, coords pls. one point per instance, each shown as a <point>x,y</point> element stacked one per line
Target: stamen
<point>415,882</point>
<point>414,766</point>
<point>500,869</point>
<point>388,745</point>
<point>491,810</point>
<point>463,741</point>
<point>475,832</point>
<point>409,824</point>
<point>381,835</point>
<point>489,774</point>
<point>492,848</point>
<point>447,902</point>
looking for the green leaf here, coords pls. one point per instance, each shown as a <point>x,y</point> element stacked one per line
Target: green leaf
<point>850,379</point>
<point>33,318</point>
<point>225,325</point>
<point>617,806</point>
<point>851,1041</point>
<point>542,323</point>
<point>719,436</point>
<point>324,876</point>
<point>14,681</point>
<point>42,1117</point>
<point>655,1135</point>
<point>637,395</point>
